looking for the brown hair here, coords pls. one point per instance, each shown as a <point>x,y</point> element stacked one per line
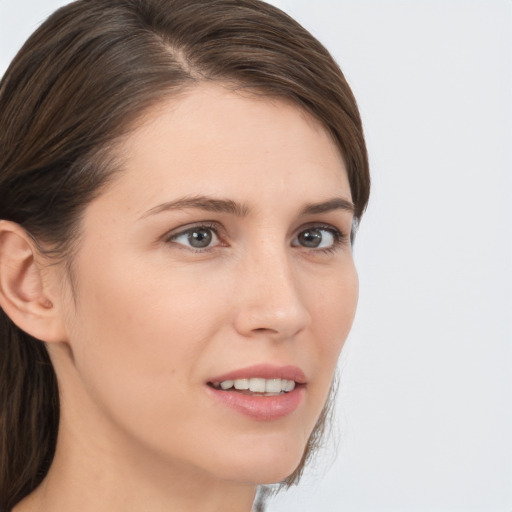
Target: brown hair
<point>79,83</point>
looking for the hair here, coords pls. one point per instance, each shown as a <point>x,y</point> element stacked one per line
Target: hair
<point>79,84</point>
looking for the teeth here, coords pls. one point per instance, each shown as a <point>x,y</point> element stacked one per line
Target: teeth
<point>241,384</point>
<point>273,386</point>
<point>226,384</point>
<point>258,385</point>
<point>288,385</point>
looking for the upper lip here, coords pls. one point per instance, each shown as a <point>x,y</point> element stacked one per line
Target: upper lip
<point>264,371</point>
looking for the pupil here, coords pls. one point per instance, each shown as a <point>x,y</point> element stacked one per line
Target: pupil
<point>200,238</point>
<point>311,238</point>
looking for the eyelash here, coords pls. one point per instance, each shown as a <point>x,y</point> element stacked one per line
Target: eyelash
<point>339,238</point>
<point>170,238</point>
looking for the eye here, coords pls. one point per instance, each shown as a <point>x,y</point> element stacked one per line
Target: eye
<point>197,237</point>
<point>318,237</point>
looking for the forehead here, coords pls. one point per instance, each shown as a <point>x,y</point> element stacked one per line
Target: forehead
<point>212,140</point>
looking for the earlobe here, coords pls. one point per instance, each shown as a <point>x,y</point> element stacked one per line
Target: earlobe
<point>24,295</point>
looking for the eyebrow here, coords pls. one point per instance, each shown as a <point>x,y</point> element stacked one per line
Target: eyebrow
<point>205,203</point>
<point>336,203</point>
<point>231,207</point>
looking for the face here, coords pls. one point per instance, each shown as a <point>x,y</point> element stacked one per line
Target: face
<point>218,258</point>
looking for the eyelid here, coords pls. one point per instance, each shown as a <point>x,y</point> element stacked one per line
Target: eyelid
<point>175,233</point>
<point>322,225</point>
<point>340,236</point>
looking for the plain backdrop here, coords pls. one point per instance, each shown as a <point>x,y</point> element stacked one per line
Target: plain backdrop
<point>424,420</point>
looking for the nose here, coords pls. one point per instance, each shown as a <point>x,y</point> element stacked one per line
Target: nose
<point>269,300</point>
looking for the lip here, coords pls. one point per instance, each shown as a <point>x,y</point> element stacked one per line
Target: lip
<point>264,371</point>
<point>258,407</point>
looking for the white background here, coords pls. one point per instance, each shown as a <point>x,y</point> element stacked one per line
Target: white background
<point>425,404</point>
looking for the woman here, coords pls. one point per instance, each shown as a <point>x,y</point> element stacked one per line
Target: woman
<point>180,182</point>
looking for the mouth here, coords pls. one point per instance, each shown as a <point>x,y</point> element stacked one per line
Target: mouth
<point>256,386</point>
<point>261,392</point>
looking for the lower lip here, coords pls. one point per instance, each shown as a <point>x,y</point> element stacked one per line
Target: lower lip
<point>261,408</point>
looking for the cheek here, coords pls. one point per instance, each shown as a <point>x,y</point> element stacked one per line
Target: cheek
<point>333,309</point>
<point>139,340</point>
<point>334,306</point>
<point>138,333</point>
<point>141,306</point>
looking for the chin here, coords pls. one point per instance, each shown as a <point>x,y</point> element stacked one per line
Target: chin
<point>265,461</point>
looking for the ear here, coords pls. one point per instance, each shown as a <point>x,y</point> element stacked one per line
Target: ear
<point>27,296</point>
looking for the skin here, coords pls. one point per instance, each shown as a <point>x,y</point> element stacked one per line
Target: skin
<point>149,319</point>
